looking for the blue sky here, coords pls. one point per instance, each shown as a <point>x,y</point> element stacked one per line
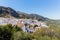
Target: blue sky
<point>46,8</point>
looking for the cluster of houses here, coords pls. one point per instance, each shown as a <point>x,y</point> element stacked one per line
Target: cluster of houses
<point>27,25</point>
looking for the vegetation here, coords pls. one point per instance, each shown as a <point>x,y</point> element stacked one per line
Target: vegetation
<point>9,32</point>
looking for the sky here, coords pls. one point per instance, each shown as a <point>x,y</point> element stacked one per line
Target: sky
<point>46,8</point>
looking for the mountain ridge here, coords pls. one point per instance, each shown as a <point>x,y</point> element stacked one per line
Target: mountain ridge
<point>9,12</point>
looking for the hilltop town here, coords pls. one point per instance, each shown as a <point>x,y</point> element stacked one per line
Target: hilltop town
<point>28,25</point>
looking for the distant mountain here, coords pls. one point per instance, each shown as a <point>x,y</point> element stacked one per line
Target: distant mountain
<point>23,15</point>
<point>32,16</point>
<point>39,17</point>
<point>8,12</point>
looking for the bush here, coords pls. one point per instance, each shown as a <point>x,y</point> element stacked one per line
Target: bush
<point>21,36</point>
<point>7,31</point>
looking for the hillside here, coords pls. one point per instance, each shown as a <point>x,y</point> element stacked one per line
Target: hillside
<point>8,12</point>
<point>11,13</point>
<point>32,16</point>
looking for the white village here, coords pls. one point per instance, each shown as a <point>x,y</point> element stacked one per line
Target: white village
<point>27,25</point>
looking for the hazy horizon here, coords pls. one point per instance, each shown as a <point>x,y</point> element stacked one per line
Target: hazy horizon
<point>46,8</point>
